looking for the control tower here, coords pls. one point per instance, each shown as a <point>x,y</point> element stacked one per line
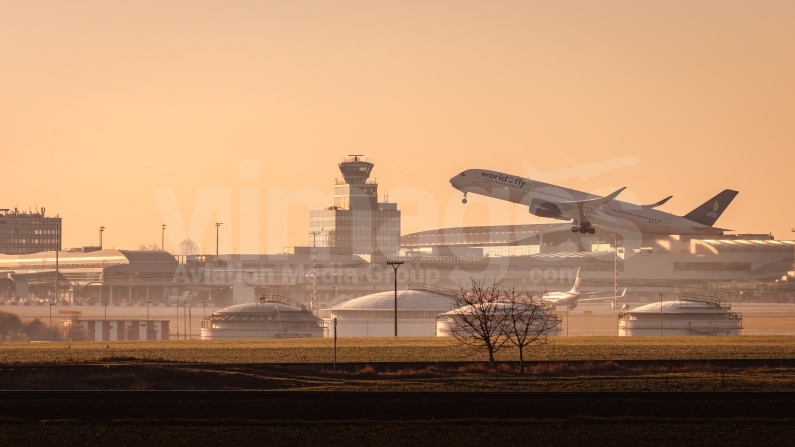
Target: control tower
<point>357,221</point>
<point>354,170</point>
<point>355,192</point>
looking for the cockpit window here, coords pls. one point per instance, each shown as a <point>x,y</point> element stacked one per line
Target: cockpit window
<point>463,174</point>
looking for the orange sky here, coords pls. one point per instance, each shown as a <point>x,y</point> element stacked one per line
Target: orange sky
<point>105,102</point>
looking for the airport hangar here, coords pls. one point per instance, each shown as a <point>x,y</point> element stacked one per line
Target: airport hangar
<point>98,277</point>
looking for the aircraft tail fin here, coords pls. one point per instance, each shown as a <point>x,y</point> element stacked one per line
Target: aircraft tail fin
<point>709,212</point>
<point>576,287</point>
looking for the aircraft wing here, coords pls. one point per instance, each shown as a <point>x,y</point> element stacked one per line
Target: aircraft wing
<point>601,297</point>
<point>575,204</point>
<point>661,202</point>
<point>709,229</point>
<point>595,299</point>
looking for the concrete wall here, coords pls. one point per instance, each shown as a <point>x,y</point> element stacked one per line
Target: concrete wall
<point>125,330</point>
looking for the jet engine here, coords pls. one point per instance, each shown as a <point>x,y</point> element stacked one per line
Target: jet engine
<point>542,208</point>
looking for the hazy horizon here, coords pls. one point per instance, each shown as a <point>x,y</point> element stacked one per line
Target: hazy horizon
<point>105,104</point>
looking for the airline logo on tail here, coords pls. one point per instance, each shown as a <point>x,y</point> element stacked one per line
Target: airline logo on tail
<point>714,212</point>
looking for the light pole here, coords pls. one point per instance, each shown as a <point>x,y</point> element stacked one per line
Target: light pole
<point>217,225</point>
<point>147,319</point>
<point>335,343</point>
<point>660,295</point>
<point>314,270</point>
<point>51,304</point>
<point>177,318</point>
<point>101,229</point>
<point>204,316</point>
<point>57,249</point>
<point>395,265</point>
<point>55,294</point>
<point>615,271</point>
<point>163,238</point>
<point>373,255</point>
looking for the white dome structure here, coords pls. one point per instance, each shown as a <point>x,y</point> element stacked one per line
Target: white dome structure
<point>688,315</point>
<point>271,317</point>
<point>445,323</point>
<point>374,315</point>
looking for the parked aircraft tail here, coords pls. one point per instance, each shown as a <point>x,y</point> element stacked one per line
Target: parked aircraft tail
<point>576,287</point>
<point>709,211</point>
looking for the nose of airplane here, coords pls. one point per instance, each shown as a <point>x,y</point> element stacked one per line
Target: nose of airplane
<point>454,181</point>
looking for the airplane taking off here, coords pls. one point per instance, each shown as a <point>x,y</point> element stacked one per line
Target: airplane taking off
<point>557,202</point>
<point>572,297</point>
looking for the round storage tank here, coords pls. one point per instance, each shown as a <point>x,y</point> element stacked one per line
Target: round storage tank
<point>266,319</point>
<point>374,315</point>
<point>547,323</point>
<point>681,317</point>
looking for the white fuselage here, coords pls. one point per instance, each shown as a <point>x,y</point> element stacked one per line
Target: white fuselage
<point>568,299</point>
<point>614,213</point>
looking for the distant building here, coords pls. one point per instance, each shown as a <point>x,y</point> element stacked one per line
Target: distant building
<point>357,221</point>
<point>32,232</point>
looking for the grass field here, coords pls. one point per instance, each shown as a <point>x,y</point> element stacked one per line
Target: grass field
<point>542,376</point>
<point>420,349</point>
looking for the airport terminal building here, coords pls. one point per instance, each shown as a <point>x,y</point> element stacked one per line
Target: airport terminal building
<point>546,257</point>
<point>98,277</point>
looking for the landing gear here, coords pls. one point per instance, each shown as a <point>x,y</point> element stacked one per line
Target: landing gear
<point>584,228</point>
<point>464,200</point>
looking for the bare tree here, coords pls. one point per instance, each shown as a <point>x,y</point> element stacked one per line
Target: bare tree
<point>478,319</point>
<point>149,247</point>
<point>188,247</point>
<point>527,322</point>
